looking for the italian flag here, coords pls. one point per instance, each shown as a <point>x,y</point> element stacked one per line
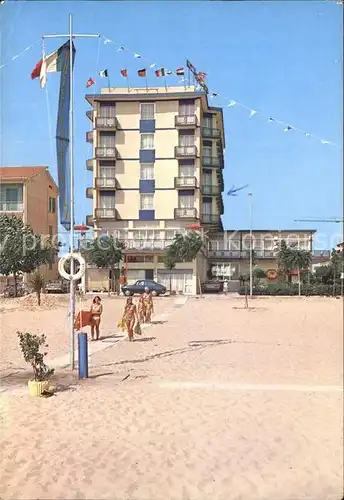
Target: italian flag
<point>51,63</point>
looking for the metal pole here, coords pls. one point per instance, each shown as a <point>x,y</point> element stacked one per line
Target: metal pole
<point>71,145</point>
<point>251,246</point>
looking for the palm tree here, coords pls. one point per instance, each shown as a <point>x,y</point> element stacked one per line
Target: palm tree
<point>186,247</point>
<point>37,282</point>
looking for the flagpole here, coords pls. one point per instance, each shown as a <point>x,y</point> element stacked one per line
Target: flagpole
<point>71,145</point>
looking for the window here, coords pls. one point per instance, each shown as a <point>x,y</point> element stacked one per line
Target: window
<point>208,121</point>
<point>107,110</point>
<point>207,207</point>
<point>147,171</point>
<point>147,141</point>
<point>207,148</point>
<point>147,110</point>
<point>106,200</point>
<point>107,140</point>
<point>170,235</point>
<point>186,139</point>
<point>207,178</point>
<point>147,201</point>
<point>186,201</point>
<point>187,107</point>
<point>11,197</point>
<point>186,170</point>
<point>52,205</point>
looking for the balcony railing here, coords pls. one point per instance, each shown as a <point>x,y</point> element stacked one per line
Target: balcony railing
<point>241,254</point>
<point>210,190</point>
<point>185,151</point>
<point>106,182</point>
<point>148,245</point>
<point>185,121</point>
<point>89,164</point>
<point>90,114</point>
<point>185,213</point>
<point>210,218</point>
<point>185,182</point>
<point>89,192</point>
<point>9,206</point>
<point>106,213</point>
<point>211,132</point>
<point>105,123</point>
<point>212,161</point>
<point>105,152</point>
<point>89,136</point>
<point>321,253</point>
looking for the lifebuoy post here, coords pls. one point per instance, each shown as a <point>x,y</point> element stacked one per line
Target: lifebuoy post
<point>82,355</point>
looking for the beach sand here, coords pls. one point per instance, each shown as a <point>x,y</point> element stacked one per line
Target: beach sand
<point>214,402</point>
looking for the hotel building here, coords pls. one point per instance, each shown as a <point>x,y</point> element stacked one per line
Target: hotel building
<point>157,167</point>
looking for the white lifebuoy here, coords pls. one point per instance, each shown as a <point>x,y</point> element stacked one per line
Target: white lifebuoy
<point>82,266</point>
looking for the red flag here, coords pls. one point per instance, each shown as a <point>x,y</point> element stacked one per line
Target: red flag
<point>141,72</point>
<point>37,70</point>
<point>160,72</point>
<point>90,82</point>
<point>124,73</point>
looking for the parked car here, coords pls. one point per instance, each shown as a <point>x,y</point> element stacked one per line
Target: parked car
<point>212,286</point>
<point>58,286</point>
<point>140,285</point>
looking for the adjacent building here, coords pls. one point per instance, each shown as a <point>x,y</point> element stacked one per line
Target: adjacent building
<point>31,193</point>
<point>157,163</point>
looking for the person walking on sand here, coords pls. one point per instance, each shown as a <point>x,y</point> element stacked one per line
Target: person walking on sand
<point>96,311</point>
<point>149,306</point>
<point>130,317</point>
<point>141,309</point>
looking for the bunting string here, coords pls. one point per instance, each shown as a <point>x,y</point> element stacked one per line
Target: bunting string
<point>161,70</point>
<point>6,63</point>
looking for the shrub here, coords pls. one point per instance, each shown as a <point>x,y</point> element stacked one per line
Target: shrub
<point>30,345</point>
<point>314,289</point>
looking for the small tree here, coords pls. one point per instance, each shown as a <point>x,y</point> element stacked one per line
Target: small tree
<point>258,274</point>
<point>170,263</point>
<point>22,251</point>
<point>106,252</point>
<point>186,247</point>
<point>30,345</point>
<point>37,283</point>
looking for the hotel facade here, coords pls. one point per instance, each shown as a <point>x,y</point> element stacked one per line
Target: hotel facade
<point>157,163</point>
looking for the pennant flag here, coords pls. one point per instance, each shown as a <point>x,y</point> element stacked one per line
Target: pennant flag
<point>308,135</point>
<point>271,120</point>
<point>137,56</point>
<point>103,73</point>
<point>141,72</point>
<point>180,71</point>
<point>169,72</point>
<point>253,112</point>
<point>160,72</point>
<point>120,49</point>
<point>182,80</point>
<point>124,73</point>
<point>152,65</point>
<point>287,128</point>
<point>214,94</point>
<point>201,75</point>
<point>107,40</point>
<point>90,82</point>
<point>49,64</point>
<point>231,103</point>
<point>325,142</point>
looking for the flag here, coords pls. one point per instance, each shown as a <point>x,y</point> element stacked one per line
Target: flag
<point>308,134</point>
<point>201,75</point>
<point>120,49</point>
<point>49,64</point>
<point>124,73</point>
<point>214,94</point>
<point>169,72</point>
<point>287,128</point>
<point>137,56</point>
<point>160,72</point>
<point>152,65</point>
<point>90,82</point>
<point>180,71</point>
<point>103,73</point>
<point>271,120</point>
<point>253,112</point>
<point>142,72</point>
<point>231,103</point>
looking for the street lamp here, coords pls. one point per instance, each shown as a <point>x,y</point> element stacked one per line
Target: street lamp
<point>251,246</point>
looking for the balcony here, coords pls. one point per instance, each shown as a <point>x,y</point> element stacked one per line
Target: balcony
<point>104,123</point>
<point>106,182</point>
<point>185,182</point>
<point>89,165</point>
<point>9,206</point>
<point>89,220</point>
<point>104,152</point>
<point>147,245</point>
<point>210,218</point>
<point>212,161</point>
<point>185,152</point>
<point>89,136</point>
<point>210,190</point>
<point>89,192</point>
<point>213,133</point>
<point>106,213</point>
<point>240,254</point>
<point>185,121</point>
<point>185,213</point>
<point>90,114</point>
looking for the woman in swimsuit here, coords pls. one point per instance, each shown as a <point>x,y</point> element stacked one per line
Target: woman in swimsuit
<point>130,317</point>
<point>96,311</point>
<point>141,309</point>
<point>148,303</point>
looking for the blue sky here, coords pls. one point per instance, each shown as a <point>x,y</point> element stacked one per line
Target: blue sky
<point>282,59</point>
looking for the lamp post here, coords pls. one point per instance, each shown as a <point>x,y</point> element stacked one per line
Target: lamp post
<point>251,246</point>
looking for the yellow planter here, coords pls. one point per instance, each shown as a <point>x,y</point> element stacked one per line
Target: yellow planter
<point>36,388</point>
